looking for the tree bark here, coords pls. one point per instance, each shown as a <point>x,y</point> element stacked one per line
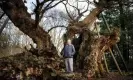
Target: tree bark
<point>17,13</point>
<point>91,18</point>
<point>91,48</point>
<point>77,27</point>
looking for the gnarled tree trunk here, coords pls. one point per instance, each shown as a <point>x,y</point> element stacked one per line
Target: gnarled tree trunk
<point>17,12</point>
<point>91,47</point>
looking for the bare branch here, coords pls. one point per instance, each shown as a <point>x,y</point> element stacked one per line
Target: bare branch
<point>80,14</point>
<point>2,15</point>
<point>4,25</point>
<point>49,7</point>
<point>69,15</point>
<point>39,11</point>
<point>56,27</point>
<point>34,4</point>
<point>37,2</point>
<point>86,8</point>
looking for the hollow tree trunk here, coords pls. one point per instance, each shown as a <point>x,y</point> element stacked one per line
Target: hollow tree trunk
<point>90,52</point>
<point>89,48</point>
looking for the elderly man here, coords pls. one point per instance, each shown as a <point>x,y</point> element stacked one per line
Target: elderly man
<point>68,52</point>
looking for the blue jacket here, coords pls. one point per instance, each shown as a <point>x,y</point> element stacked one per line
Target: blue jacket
<point>68,51</point>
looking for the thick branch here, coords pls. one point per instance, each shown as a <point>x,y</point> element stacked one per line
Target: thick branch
<point>92,16</point>
<point>2,15</point>
<point>39,10</point>
<point>37,13</point>
<point>17,12</point>
<point>49,7</point>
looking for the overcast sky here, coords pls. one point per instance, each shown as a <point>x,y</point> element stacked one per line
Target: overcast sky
<point>60,6</point>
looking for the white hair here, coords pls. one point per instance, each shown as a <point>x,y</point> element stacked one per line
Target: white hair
<point>69,40</point>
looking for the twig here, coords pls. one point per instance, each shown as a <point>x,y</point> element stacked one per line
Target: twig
<point>56,27</point>
<point>2,15</point>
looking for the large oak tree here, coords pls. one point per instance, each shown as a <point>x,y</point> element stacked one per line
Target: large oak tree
<point>89,48</point>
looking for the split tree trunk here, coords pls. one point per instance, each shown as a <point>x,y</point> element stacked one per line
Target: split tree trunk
<point>89,47</point>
